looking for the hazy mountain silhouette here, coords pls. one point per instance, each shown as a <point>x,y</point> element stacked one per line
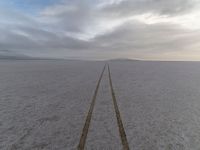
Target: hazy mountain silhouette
<point>11,55</point>
<point>7,54</point>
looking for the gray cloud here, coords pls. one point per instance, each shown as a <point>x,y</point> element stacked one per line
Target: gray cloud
<point>72,17</point>
<point>136,38</point>
<point>161,7</point>
<point>62,30</point>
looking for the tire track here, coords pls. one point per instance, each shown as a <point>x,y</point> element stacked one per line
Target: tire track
<point>118,116</point>
<point>83,137</point>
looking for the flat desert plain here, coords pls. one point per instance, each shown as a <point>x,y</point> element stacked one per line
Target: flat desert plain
<point>45,104</point>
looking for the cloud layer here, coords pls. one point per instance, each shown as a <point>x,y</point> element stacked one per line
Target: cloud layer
<point>142,29</point>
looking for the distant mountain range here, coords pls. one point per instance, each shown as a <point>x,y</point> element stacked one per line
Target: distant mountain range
<point>11,55</point>
<point>7,54</point>
<point>16,57</point>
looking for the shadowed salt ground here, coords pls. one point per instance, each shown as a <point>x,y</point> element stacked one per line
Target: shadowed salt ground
<point>43,105</point>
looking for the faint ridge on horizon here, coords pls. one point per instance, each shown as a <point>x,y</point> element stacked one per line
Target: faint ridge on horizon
<point>12,55</point>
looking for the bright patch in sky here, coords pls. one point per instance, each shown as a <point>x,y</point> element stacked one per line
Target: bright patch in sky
<point>189,21</point>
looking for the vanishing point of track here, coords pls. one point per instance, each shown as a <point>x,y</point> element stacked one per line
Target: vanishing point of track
<point>85,130</point>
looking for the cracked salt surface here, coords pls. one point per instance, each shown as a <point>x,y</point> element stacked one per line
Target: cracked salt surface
<point>43,105</point>
<point>159,103</point>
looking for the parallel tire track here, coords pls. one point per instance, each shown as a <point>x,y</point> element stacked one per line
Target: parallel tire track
<point>83,137</point>
<point>118,116</point>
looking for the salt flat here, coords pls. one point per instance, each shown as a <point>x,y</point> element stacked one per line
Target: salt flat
<point>103,133</point>
<point>43,105</point>
<point>159,103</point>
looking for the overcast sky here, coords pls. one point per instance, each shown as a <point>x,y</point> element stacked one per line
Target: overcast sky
<point>101,29</point>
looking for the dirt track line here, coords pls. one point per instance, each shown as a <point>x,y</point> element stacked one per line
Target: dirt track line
<point>83,137</point>
<point>117,112</point>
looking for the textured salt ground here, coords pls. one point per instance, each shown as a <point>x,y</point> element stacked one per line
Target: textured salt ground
<point>43,103</point>
<point>159,104</point>
<point>103,132</point>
